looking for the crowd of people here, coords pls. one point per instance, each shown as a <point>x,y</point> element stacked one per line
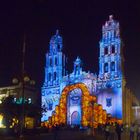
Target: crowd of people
<point>109,131</point>
<point>115,131</point>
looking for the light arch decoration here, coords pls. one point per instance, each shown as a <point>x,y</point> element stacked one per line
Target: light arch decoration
<point>92,113</point>
<point>87,101</point>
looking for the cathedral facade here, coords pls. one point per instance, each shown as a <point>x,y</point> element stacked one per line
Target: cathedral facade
<point>107,86</point>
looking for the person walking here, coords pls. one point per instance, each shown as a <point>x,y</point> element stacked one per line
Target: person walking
<point>107,131</point>
<point>119,130</point>
<point>132,131</point>
<point>138,132</point>
<point>112,131</point>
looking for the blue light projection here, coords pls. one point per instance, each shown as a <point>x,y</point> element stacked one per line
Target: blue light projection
<point>107,86</point>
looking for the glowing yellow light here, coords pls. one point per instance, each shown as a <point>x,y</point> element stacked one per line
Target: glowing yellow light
<point>1,119</point>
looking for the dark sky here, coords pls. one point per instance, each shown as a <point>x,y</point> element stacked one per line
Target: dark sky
<point>79,22</point>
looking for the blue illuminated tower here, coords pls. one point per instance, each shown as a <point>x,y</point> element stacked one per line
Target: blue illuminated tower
<point>54,69</point>
<point>109,84</point>
<point>54,72</point>
<point>110,50</point>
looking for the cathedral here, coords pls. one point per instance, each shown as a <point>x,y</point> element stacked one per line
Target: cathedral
<point>107,87</point>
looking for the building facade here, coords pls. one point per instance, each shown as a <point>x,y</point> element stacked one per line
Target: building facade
<point>12,99</point>
<point>107,86</point>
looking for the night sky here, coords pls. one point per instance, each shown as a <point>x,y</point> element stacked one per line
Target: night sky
<point>79,23</point>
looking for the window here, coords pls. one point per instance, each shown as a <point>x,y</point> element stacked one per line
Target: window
<point>50,76</point>
<point>114,33</point>
<point>50,104</point>
<point>112,66</point>
<point>50,61</point>
<point>59,47</point>
<point>106,67</point>
<point>113,49</point>
<point>108,102</point>
<point>56,62</point>
<point>106,50</point>
<point>54,75</point>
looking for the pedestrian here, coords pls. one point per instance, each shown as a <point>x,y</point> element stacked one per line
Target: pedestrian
<point>107,131</point>
<point>132,131</point>
<point>89,131</point>
<point>112,131</point>
<point>126,131</point>
<point>138,132</point>
<point>16,128</point>
<point>56,128</point>
<point>119,130</point>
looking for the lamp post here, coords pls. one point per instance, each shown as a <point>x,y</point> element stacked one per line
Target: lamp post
<point>22,85</point>
<point>24,80</point>
<point>22,97</point>
<point>22,88</point>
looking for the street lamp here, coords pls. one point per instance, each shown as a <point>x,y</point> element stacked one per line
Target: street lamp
<point>21,83</point>
<point>23,87</point>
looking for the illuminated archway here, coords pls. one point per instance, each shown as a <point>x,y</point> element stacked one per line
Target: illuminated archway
<point>86,104</point>
<point>88,109</point>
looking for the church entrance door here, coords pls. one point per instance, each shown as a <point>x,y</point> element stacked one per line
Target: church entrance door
<point>75,118</point>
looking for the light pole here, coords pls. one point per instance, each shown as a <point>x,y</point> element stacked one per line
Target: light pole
<point>22,85</point>
<point>24,79</point>
<point>22,89</point>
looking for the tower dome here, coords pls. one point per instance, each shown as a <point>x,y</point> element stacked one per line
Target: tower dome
<point>77,66</point>
<point>56,42</point>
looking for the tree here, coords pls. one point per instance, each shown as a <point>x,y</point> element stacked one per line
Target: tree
<point>9,110</point>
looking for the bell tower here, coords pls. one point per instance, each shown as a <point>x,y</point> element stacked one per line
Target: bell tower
<point>54,72</point>
<point>110,78</point>
<point>55,61</point>
<point>110,51</point>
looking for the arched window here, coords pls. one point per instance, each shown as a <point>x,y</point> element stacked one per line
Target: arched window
<point>56,62</point>
<point>50,104</point>
<point>106,50</point>
<point>50,76</point>
<point>54,75</point>
<point>112,66</point>
<point>59,47</point>
<point>50,61</point>
<point>106,67</point>
<point>113,49</point>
